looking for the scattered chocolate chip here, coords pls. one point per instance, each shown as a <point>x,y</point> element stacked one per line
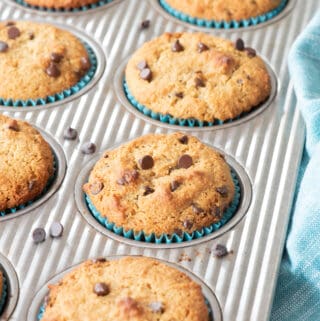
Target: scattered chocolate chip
<point>146,74</point>
<point>13,125</point>
<point>31,35</point>
<point>177,47</point>
<point>101,289</point>
<point>53,70</point>
<point>96,188</point>
<point>128,177</point>
<point>56,57</point>
<point>223,191</point>
<point>142,65</point>
<point>185,161</point>
<point>10,23</point>
<point>220,251</point>
<point>250,52</point>
<point>13,32</point>
<point>174,185</point>
<point>85,63</point>
<point>202,47</point>
<point>88,148</point>
<point>188,224</point>
<point>146,162</point>
<point>239,44</point>
<point>145,24</point>
<point>99,260</point>
<point>31,184</point>
<point>178,232</point>
<point>179,95</point>
<point>70,133</point>
<point>184,139</point>
<point>215,211</point>
<point>196,209</point>
<point>38,235</point>
<point>3,46</point>
<point>56,230</point>
<point>148,190</point>
<point>199,82</point>
<point>156,307</point>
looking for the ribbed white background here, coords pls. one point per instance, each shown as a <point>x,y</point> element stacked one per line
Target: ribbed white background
<point>269,147</point>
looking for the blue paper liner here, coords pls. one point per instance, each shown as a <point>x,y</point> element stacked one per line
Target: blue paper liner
<point>3,295</point>
<point>72,10</point>
<point>165,238</point>
<point>223,24</point>
<point>49,184</point>
<point>63,94</point>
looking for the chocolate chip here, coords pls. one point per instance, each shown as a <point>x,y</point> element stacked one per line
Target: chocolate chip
<point>31,35</point>
<point>250,52</point>
<point>56,57</point>
<point>13,32</point>
<point>31,184</point>
<point>146,162</point>
<point>239,44</point>
<point>38,235</point>
<point>178,232</point>
<point>56,229</point>
<point>202,47</point>
<point>13,125</point>
<point>148,190</point>
<point>146,74</point>
<point>215,211</point>
<point>10,23</point>
<point>174,185</point>
<point>128,177</point>
<point>101,289</point>
<point>142,65</point>
<point>179,95</point>
<point>223,191</point>
<point>185,161</point>
<point>96,188</point>
<point>88,148</point>
<point>177,47</point>
<point>99,260</point>
<point>85,63</point>
<point>196,209</point>
<point>156,307</point>
<point>53,70</point>
<point>188,224</point>
<point>70,133</point>
<point>199,82</point>
<point>3,46</point>
<point>220,251</point>
<point>145,24</point>
<point>184,139</point>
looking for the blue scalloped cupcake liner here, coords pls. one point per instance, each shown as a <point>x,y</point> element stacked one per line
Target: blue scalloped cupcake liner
<point>62,95</point>
<point>46,189</point>
<point>233,24</point>
<point>3,296</point>
<point>72,10</point>
<point>165,238</point>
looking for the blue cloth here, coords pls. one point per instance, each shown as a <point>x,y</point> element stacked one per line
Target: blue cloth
<point>297,295</point>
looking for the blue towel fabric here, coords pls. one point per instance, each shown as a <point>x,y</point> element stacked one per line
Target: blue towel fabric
<point>297,295</point>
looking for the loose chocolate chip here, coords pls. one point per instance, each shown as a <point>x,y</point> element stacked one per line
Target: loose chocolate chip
<point>99,260</point>
<point>56,57</point>
<point>156,307</point>
<point>56,229</point>
<point>184,139</point>
<point>199,82</point>
<point>96,188</point>
<point>185,161</point>
<point>142,65</point>
<point>70,134</point>
<point>177,47</point>
<point>250,52</point>
<point>188,224</point>
<point>196,209</point>
<point>202,47</point>
<point>38,235</point>
<point>223,191</point>
<point>215,211</point>
<point>10,23</point>
<point>13,32</point>
<point>174,185</point>
<point>148,190</point>
<point>53,70</point>
<point>179,95</point>
<point>13,125</point>
<point>85,63</point>
<point>3,46</point>
<point>101,289</point>
<point>145,24</point>
<point>88,148</point>
<point>31,184</point>
<point>146,74</point>
<point>239,44</point>
<point>220,251</point>
<point>146,162</point>
<point>31,35</point>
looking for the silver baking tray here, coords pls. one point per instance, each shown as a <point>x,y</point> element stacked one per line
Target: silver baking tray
<point>268,147</point>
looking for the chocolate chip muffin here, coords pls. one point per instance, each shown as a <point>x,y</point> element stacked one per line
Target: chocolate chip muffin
<point>61,4</point>
<point>161,184</point>
<point>39,60</point>
<point>26,163</point>
<point>197,76</point>
<point>225,10</point>
<point>131,288</point>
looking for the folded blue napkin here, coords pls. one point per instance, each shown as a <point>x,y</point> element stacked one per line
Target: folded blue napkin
<point>297,295</point>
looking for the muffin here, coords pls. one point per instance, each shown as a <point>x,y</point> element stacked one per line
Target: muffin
<point>226,10</point>
<point>39,60</point>
<point>26,163</point>
<point>61,4</point>
<point>161,184</point>
<point>131,288</point>
<point>2,292</point>
<point>197,76</point>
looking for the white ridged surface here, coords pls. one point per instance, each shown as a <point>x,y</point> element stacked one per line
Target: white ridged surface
<point>268,146</point>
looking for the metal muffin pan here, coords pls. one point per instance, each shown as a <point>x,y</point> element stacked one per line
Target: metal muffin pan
<point>101,64</point>
<point>12,288</point>
<point>118,86</point>
<point>268,146</point>
<point>212,300</point>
